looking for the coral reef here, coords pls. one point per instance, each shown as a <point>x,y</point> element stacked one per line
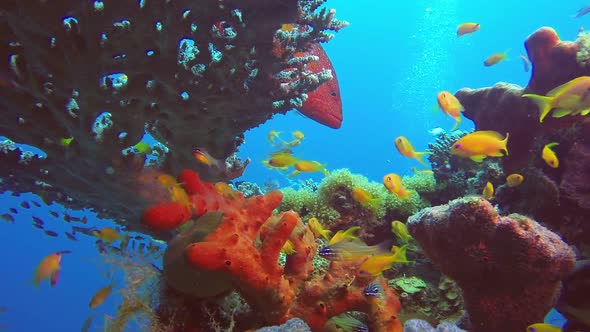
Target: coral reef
<point>292,325</point>
<point>249,189</point>
<point>417,325</point>
<point>509,268</point>
<point>235,245</point>
<point>333,205</point>
<point>83,81</point>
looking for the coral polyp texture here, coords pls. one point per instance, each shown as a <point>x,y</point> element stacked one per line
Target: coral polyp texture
<point>235,245</point>
<point>84,80</point>
<point>509,268</point>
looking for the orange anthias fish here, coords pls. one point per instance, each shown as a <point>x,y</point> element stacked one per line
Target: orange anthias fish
<point>466,28</point>
<point>204,157</point>
<point>481,144</point>
<point>495,59</point>
<point>450,105</point>
<point>393,184</point>
<point>571,98</point>
<point>108,235</point>
<point>405,148</point>
<point>283,158</point>
<point>309,166</point>
<point>49,268</point>
<point>100,296</point>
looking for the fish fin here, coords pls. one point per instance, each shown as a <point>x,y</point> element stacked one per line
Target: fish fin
<point>552,144</point>
<point>457,122</point>
<point>560,113</point>
<point>543,103</point>
<point>418,156</point>
<point>400,252</point>
<point>505,143</point>
<point>54,277</point>
<point>560,89</point>
<point>351,230</point>
<point>326,234</point>
<point>585,112</point>
<point>295,173</point>
<point>478,158</point>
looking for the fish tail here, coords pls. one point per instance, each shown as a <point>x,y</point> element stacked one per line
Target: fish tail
<point>457,122</point>
<point>505,143</point>
<point>419,155</point>
<point>544,103</point>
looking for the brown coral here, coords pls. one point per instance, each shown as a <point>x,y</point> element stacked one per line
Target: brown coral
<point>509,268</point>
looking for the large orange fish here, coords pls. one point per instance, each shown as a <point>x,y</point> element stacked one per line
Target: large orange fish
<point>324,104</point>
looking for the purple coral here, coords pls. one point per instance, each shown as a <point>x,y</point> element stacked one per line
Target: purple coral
<point>509,268</point>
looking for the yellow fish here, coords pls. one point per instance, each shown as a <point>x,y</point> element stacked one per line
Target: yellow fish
<point>352,250</point>
<point>288,248</point>
<point>376,264</point>
<point>167,181</point>
<point>204,157</point>
<point>309,166</point>
<point>423,171</point>
<point>317,229</point>
<point>107,234</point>
<point>225,190</point>
<point>393,183</point>
<point>451,106</point>
<point>100,296</point>
<point>481,144</point>
<point>364,198</point>
<point>65,142</point>
<point>495,58</point>
<point>514,180</point>
<point>466,28</point>
<point>298,135</point>
<point>542,327</point>
<point>549,155</point>
<point>488,191</point>
<point>282,159</point>
<point>49,268</point>
<point>571,98</point>
<point>401,231</point>
<point>272,135</point>
<point>344,235</point>
<point>405,148</point>
<point>143,147</point>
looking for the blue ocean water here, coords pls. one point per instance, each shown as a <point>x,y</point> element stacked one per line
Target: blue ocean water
<point>390,62</point>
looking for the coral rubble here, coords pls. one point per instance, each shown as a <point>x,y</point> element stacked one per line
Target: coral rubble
<point>83,81</point>
<point>509,268</point>
<point>235,245</point>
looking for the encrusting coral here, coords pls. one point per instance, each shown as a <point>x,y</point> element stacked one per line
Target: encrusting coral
<point>236,247</point>
<point>509,268</point>
<point>84,80</point>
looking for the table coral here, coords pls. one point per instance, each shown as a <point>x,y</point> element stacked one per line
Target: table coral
<point>99,74</point>
<point>509,268</point>
<point>235,245</point>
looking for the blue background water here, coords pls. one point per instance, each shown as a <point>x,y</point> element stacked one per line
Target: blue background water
<point>391,61</point>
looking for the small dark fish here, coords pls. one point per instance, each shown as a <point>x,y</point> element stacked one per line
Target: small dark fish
<point>40,226</point>
<point>71,236</point>
<point>8,218</point>
<point>38,220</point>
<point>373,290</point>
<point>25,204</point>
<point>87,323</point>
<point>583,11</point>
<point>36,203</point>
<point>51,233</point>
<point>53,213</point>
<point>100,247</point>
<point>13,210</point>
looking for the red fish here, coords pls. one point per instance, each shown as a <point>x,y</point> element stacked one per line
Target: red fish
<point>324,104</point>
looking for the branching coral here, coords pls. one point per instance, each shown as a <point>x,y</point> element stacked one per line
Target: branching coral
<point>85,80</point>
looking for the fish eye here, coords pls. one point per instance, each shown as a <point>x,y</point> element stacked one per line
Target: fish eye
<point>389,178</point>
<point>196,150</point>
<point>457,146</point>
<point>333,94</point>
